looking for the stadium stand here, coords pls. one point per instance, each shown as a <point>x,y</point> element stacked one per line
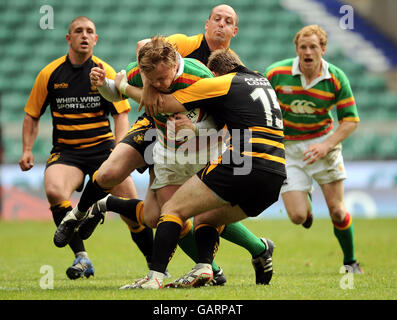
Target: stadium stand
<point>266,34</point>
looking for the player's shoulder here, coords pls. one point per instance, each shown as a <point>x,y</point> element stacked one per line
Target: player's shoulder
<point>53,65</point>
<point>179,37</point>
<point>286,63</point>
<point>195,66</point>
<point>336,72</point>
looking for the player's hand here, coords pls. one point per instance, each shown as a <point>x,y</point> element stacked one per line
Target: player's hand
<point>151,100</point>
<point>98,75</point>
<point>315,152</point>
<point>27,161</point>
<point>182,126</point>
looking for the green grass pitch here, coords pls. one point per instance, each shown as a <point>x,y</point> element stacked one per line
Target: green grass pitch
<point>306,263</point>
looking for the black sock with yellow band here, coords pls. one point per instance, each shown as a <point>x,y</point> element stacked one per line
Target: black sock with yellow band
<point>91,194</point>
<point>58,213</point>
<point>165,241</point>
<point>129,208</point>
<point>143,237</point>
<point>207,240</point>
<point>133,210</point>
<point>187,243</point>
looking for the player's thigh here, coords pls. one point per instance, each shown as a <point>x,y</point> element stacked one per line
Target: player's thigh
<point>333,194</point>
<point>60,181</point>
<point>296,204</point>
<point>165,193</point>
<point>191,199</point>
<point>122,161</point>
<point>220,216</point>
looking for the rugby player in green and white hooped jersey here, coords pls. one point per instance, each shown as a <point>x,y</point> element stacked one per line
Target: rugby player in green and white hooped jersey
<point>307,88</point>
<point>188,72</point>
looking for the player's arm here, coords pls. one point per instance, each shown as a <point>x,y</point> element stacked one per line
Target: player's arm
<point>121,125</point>
<point>348,121</point>
<point>106,86</point>
<point>30,130</point>
<point>319,150</point>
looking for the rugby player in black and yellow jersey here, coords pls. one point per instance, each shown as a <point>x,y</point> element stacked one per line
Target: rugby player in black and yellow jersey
<point>82,137</point>
<point>246,179</point>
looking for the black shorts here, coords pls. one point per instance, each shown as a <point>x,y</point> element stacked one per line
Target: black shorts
<point>142,136</point>
<point>88,164</point>
<point>253,192</point>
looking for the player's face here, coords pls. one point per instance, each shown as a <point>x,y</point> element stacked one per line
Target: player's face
<point>162,76</point>
<point>82,37</point>
<point>310,53</point>
<point>221,26</point>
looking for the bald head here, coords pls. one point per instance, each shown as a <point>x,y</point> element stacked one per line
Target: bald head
<point>225,8</point>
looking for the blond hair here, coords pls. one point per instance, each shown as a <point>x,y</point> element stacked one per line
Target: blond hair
<point>310,30</point>
<point>223,61</point>
<point>155,51</point>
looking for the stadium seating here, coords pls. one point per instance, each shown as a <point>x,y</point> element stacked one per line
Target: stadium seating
<point>265,35</point>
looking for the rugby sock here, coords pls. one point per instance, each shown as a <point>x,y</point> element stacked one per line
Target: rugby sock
<point>344,232</point>
<point>133,209</point>
<point>165,241</point>
<point>187,243</point>
<point>129,208</point>
<point>58,213</point>
<point>240,235</point>
<point>143,237</point>
<point>91,194</point>
<point>207,240</point>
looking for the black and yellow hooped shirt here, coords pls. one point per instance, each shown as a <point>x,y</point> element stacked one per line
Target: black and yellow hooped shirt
<point>244,102</point>
<point>79,112</point>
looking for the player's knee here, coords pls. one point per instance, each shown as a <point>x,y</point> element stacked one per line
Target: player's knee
<point>297,217</point>
<point>337,214</point>
<point>108,178</point>
<point>54,193</point>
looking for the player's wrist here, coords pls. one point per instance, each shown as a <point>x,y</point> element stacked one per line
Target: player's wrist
<point>123,83</point>
<point>123,88</point>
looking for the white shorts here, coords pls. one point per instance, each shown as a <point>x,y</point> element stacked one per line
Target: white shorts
<point>173,174</point>
<point>169,169</point>
<point>300,175</point>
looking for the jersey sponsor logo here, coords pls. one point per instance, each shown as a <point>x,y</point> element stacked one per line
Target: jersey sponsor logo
<point>62,85</point>
<point>78,102</point>
<point>303,106</point>
<point>254,81</point>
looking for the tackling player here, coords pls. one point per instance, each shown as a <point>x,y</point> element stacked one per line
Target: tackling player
<point>245,180</point>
